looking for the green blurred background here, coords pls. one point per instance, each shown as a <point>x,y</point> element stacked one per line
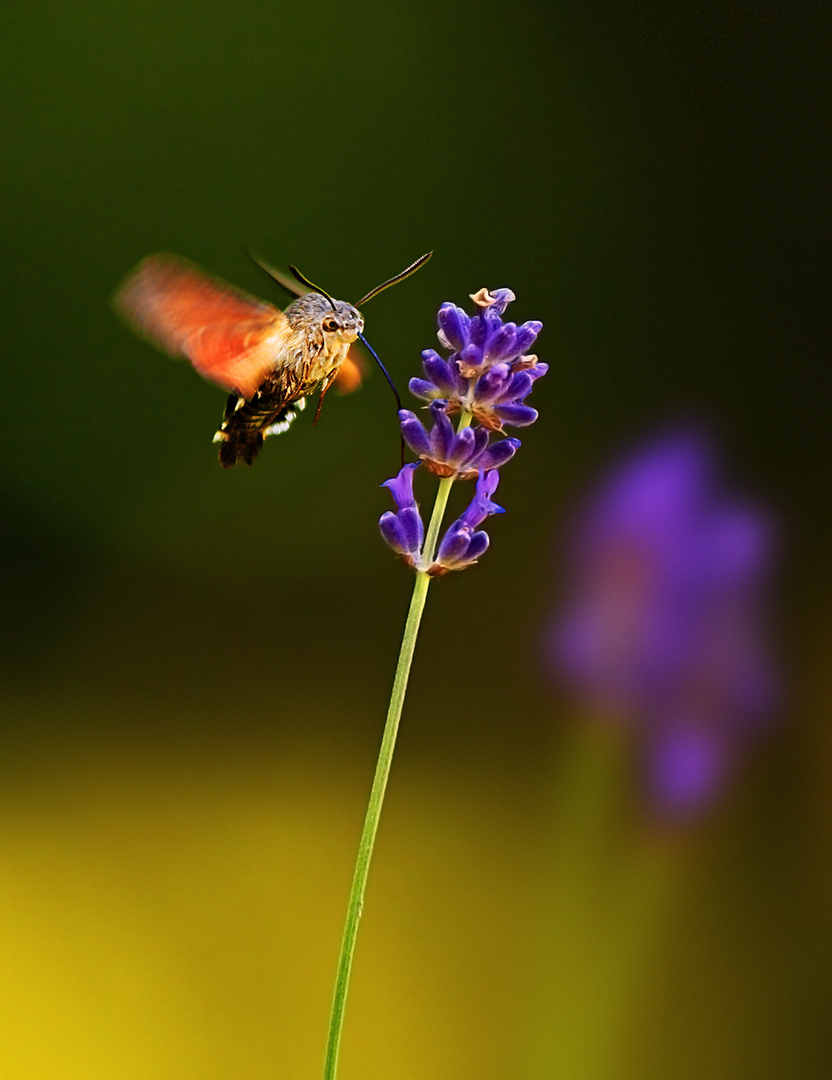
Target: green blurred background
<point>197,662</point>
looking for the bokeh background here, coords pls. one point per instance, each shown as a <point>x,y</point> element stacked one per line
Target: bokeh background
<point>197,663</point>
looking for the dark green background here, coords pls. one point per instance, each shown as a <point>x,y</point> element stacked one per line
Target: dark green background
<point>650,180</point>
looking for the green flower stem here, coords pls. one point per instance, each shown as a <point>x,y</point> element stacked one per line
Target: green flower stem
<point>368,834</point>
<point>385,757</point>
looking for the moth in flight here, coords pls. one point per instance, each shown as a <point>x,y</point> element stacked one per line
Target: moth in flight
<point>268,360</point>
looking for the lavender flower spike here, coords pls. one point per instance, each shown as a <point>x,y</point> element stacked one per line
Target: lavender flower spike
<point>486,380</point>
<point>663,626</point>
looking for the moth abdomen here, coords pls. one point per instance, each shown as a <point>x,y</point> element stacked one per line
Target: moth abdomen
<point>237,446</point>
<point>246,423</point>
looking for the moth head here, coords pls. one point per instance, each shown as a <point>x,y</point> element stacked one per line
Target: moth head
<point>343,321</point>
<point>335,320</point>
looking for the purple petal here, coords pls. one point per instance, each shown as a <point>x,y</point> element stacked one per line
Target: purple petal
<point>454,323</point>
<point>501,345</point>
<point>442,433</point>
<point>502,298</point>
<point>516,415</point>
<point>414,432</point>
<point>484,328</point>
<point>461,383</point>
<point>498,454</point>
<point>471,355</point>
<point>454,545</point>
<point>478,331</point>
<point>427,391</point>
<point>403,532</point>
<point>477,546</point>
<point>526,334</point>
<point>463,448</point>
<point>492,384</point>
<point>487,484</point>
<point>537,371</point>
<point>411,528</point>
<point>389,528</point>
<point>438,371</point>
<point>401,486</point>
<point>515,389</point>
<point>460,547</point>
<point>481,437</point>
<point>481,505</point>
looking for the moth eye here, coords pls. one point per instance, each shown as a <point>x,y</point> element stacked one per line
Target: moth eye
<point>330,325</point>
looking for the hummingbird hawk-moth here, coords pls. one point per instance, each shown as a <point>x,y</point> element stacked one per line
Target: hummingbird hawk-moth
<point>267,359</point>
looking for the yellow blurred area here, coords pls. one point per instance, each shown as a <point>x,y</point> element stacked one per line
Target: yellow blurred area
<point>183,921</point>
<point>180,917</point>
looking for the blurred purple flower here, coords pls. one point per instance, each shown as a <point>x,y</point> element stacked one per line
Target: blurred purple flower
<point>663,620</point>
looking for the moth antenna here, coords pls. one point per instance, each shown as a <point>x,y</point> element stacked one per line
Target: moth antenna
<point>420,262</point>
<point>386,374</point>
<point>315,288</point>
<point>282,280</point>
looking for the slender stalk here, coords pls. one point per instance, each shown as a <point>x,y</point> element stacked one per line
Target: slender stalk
<point>385,757</point>
<point>368,833</point>
<point>429,546</point>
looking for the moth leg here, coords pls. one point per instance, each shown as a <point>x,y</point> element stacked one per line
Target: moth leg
<point>325,385</point>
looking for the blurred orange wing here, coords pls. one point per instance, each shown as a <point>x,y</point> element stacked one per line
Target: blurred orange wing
<point>351,373</point>
<point>230,337</point>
